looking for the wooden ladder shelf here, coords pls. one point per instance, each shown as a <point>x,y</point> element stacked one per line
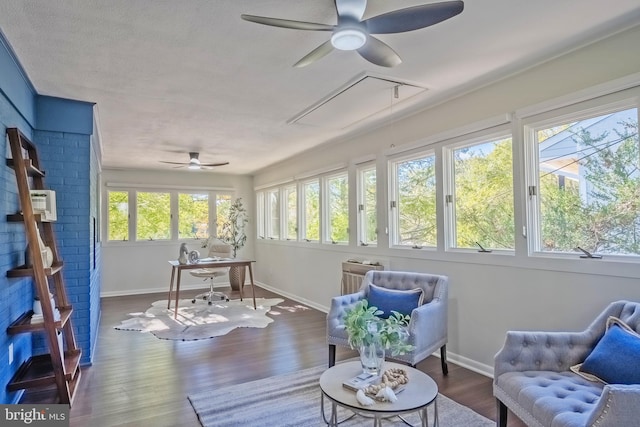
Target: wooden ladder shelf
<point>61,366</point>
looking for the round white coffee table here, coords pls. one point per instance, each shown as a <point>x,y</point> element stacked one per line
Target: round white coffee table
<point>419,393</point>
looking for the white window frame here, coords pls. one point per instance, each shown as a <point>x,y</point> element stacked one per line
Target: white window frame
<point>269,214</point>
<point>132,191</point>
<point>361,210</point>
<point>302,213</point>
<point>325,207</point>
<point>448,178</point>
<point>393,192</point>
<point>286,191</point>
<point>606,104</point>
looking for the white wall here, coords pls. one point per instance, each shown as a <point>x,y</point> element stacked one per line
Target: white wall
<point>489,294</point>
<point>133,268</point>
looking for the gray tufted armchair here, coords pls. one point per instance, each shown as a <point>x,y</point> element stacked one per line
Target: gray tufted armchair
<point>428,325</point>
<point>532,378</point>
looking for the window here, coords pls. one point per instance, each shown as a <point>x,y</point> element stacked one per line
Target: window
<point>193,216</point>
<point>153,216</point>
<point>413,202</point>
<point>291,213</point>
<point>480,203</point>
<point>584,189</point>
<point>337,209</point>
<point>165,215</point>
<point>311,212</point>
<point>261,217</point>
<point>118,216</point>
<point>367,204</point>
<point>273,214</point>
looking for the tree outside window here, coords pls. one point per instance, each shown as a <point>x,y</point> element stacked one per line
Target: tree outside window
<point>367,205</point>
<point>153,216</point>
<point>118,216</point>
<point>193,216</point>
<point>291,212</point>
<point>414,213</point>
<point>483,195</point>
<point>589,185</point>
<point>311,211</point>
<point>338,209</point>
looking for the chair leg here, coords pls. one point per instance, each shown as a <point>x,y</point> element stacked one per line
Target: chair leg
<point>332,355</point>
<point>443,360</point>
<point>502,414</point>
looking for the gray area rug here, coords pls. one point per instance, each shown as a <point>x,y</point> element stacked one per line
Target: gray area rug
<point>197,321</point>
<point>293,400</point>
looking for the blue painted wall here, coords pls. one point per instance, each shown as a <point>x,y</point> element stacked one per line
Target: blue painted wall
<point>61,129</point>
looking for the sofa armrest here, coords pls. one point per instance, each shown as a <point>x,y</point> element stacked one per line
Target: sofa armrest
<point>542,351</point>
<point>428,323</point>
<point>619,405</point>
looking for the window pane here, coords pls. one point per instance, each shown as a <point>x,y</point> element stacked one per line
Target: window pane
<point>193,216</point>
<point>368,203</point>
<point>312,211</point>
<point>154,216</point>
<point>338,209</point>
<point>118,215</point>
<point>292,213</point>
<point>483,188</point>
<point>273,204</point>
<point>589,185</point>
<point>260,215</point>
<point>416,207</point>
<point>223,203</point>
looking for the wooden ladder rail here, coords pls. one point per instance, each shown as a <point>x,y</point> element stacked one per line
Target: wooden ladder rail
<point>25,168</point>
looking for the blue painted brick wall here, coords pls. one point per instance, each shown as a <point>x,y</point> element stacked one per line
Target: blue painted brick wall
<point>66,159</point>
<point>16,295</point>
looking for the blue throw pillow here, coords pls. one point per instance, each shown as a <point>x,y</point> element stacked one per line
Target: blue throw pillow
<point>614,360</point>
<point>392,299</point>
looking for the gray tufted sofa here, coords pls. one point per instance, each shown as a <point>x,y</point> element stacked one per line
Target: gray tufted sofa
<point>533,380</point>
<point>428,325</point>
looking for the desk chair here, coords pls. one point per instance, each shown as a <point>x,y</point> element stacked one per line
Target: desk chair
<point>217,249</point>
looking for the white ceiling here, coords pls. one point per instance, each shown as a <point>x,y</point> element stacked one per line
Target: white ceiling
<point>170,77</point>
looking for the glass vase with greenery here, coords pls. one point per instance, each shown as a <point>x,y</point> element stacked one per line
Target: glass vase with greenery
<point>373,335</point>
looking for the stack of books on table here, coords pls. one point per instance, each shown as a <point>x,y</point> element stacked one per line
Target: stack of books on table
<point>361,381</point>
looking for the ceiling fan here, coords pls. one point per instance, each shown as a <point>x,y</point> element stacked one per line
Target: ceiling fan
<point>194,163</point>
<point>352,33</point>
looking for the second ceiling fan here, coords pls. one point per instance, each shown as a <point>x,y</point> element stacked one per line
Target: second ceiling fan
<point>353,33</point>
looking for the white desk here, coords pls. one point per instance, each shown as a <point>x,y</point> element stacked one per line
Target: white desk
<point>176,266</point>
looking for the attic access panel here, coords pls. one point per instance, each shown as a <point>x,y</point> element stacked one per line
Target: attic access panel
<point>362,98</point>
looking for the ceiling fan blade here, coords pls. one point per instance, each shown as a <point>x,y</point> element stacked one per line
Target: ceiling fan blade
<point>351,8</point>
<point>210,165</point>
<point>317,53</point>
<point>287,23</point>
<point>379,53</point>
<point>174,163</point>
<point>413,18</point>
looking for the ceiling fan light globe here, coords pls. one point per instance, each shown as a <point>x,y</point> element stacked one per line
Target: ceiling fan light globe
<point>348,39</point>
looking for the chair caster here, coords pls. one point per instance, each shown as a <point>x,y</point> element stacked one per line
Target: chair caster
<point>193,301</point>
<point>227,300</point>
<point>210,303</point>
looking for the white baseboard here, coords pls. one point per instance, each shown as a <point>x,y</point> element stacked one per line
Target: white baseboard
<point>294,297</point>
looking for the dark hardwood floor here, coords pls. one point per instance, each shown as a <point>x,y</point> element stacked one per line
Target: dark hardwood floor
<point>139,380</point>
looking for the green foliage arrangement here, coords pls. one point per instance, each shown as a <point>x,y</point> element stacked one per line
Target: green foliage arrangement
<point>365,327</point>
<point>233,232</point>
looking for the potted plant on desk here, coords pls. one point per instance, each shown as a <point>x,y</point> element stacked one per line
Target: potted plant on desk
<point>233,233</point>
